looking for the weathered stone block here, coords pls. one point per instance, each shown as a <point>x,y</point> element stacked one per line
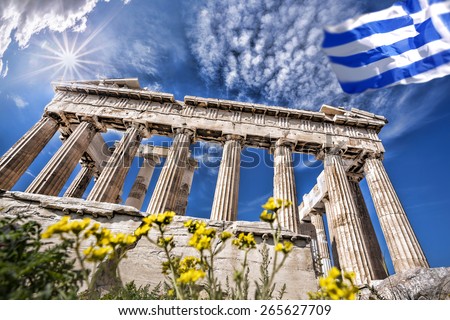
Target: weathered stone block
<point>143,263</point>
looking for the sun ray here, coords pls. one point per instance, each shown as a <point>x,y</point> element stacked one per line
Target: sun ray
<point>69,54</point>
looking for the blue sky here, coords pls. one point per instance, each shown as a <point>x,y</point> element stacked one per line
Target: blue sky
<point>264,51</point>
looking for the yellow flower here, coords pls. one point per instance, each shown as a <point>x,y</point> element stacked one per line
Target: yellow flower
<point>191,276</point>
<point>193,225</point>
<point>114,239</point>
<point>92,230</point>
<point>334,287</point>
<point>162,242</point>
<point>142,230</point>
<point>163,219</point>
<point>334,273</point>
<point>187,263</point>
<point>225,235</point>
<point>47,233</point>
<point>100,253</point>
<point>200,241</point>
<point>129,239</point>
<point>202,236</point>
<point>267,216</point>
<point>88,251</point>
<point>77,226</point>
<point>286,247</point>
<point>245,241</point>
<point>349,275</point>
<point>59,227</point>
<point>270,204</point>
<point>204,243</point>
<point>148,220</point>
<point>273,204</point>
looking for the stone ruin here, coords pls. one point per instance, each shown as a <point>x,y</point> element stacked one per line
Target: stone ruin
<point>345,140</point>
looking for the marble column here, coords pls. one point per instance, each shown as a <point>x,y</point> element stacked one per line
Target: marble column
<point>81,181</point>
<point>322,243</point>
<point>165,194</point>
<point>330,216</point>
<point>225,204</point>
<point>378,271</point>
<point>185,188</point>
<point>308,229</point>
<point>55,174</point>
<point>347,230</point>
<point>140,186</point>
<point>404,249</point>
<point>109,184</point>
<point>19,157</point>
<point>284,185</point>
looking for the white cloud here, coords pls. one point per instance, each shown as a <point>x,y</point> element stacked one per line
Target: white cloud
<point>18,101</point>
<point>21,19</point>
<point>28,172</point>
<point>153,39</point>
<point>4,72</point>
<point>269,51</point>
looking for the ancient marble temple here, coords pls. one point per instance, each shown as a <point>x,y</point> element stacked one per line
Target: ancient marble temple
<point>346,141</point>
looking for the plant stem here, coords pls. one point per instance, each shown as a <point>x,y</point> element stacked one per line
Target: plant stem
<point>172,268</point>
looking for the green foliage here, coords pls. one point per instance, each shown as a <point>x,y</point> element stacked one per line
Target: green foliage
<point>31,269</point>
<point>131,292</point>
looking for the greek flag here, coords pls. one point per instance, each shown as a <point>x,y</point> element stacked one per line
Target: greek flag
<point>406,43</point>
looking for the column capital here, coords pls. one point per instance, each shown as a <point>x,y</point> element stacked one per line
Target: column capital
<point>192,163</point>
<point>87,164</point>
<point>355,177</point>
<point>152,159</point>
<point>52,116</point>
<point>234,137</point>
<point>187,131</point>
<point>375,155</point>
<point>285,142</point>
<point>143,130</point>
<point>315,212</point>
<point>100,127</point>
<point>327,150</point>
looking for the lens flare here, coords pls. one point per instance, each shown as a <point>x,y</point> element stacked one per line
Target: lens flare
<point>68,59</point>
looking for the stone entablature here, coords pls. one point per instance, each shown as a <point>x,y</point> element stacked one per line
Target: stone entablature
<point>211,119</point>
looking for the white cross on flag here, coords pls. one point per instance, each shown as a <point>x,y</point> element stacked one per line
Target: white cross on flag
<point>406,43</point>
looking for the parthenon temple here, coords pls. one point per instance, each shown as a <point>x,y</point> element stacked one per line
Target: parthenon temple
<point>345,140</point>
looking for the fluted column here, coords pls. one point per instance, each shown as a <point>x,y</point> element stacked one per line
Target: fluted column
<point>284,185</point>
<point>308,229</point>
<point>165,194</point>
<point>81,181</point>
<point>226,196</point>
<point>331,233</point>
<point>370,239</point>
<point>402,243</point>
<point>322,243</point>
<point>52,178</point>
<point>140,186</point>
<point>346,227</point>
<point>185,188</point>
<point>19,157</point>
<point>109,184</point>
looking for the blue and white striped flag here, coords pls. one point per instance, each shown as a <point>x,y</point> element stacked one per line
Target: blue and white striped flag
<point>406,43</point>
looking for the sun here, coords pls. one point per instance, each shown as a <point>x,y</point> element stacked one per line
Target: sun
<point>68,58</point>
